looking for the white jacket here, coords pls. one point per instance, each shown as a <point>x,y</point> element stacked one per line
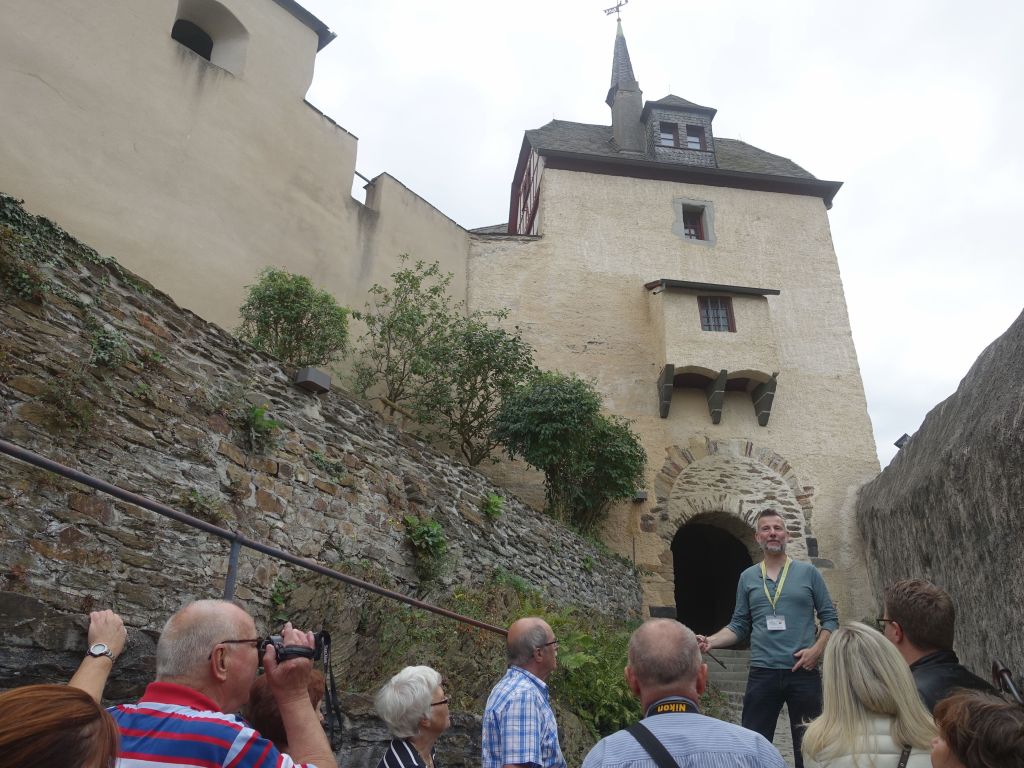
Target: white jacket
<point>879,751</point>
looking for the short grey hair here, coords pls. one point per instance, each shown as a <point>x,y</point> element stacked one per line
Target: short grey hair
<point>521,651</point>
<point>190,635</point>
<point>404,700</point>
<point>663,652</point>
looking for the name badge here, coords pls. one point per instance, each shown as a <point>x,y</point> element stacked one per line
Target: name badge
<point>776,623</point>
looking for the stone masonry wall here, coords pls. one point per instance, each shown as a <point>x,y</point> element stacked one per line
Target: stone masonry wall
<point>949,507</point>
<point>158,422</point>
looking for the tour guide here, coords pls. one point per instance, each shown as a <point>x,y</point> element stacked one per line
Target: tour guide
<point>776,603</point>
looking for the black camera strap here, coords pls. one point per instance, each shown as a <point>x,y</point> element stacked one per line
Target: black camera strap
<point>331,693</point>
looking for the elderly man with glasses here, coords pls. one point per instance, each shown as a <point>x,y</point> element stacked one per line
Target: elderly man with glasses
<point>206,661</point>
<point>519,726</point>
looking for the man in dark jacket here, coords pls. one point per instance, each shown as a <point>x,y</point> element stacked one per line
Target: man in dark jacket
<point>919,620</point>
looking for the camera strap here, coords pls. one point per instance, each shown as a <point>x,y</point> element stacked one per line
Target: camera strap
<point>330,692</point>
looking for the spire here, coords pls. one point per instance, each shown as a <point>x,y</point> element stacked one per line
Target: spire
<point>622,68</point>
<point>625,98</point>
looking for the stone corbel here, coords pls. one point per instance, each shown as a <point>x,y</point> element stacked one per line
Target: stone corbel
<point>715,394</point>
<point>763,395</point>
<point>665,384</point>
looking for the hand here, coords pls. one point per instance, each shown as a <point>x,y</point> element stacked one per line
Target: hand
<point>108,628</point>
<point>703,643</point>
<point>807,658</point>
<point>289,678</point>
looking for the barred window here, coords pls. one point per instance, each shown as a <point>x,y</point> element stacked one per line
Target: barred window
<point>716,313</point>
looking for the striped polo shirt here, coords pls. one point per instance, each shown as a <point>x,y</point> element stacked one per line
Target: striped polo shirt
<point>174,725</point>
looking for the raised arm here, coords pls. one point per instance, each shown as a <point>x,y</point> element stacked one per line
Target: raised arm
<point>307,742</point>
<point>106,628</point>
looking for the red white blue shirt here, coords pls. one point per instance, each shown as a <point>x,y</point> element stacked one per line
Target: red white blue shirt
<point>174,725</point>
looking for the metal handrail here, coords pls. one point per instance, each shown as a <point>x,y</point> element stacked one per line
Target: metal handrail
<point>237,540</point>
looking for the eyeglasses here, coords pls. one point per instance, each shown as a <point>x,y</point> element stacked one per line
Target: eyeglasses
<point>545,645</point>
<point>258,643</point>
<point>880,623</point>
<point>439,703</point>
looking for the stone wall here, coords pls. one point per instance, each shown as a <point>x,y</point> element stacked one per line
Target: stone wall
<point>163,423</point>
<point>949,507</point>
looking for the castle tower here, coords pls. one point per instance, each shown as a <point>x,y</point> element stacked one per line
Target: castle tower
<point>693,278</point>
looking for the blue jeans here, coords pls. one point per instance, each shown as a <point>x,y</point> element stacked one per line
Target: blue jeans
<point>769,689</point>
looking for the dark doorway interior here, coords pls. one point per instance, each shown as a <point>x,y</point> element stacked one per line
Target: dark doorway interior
<point>707,561</point>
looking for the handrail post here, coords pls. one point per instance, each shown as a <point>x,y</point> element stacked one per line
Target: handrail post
<point>232,577</point>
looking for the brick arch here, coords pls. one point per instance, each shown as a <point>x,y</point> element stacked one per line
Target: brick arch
<point>734,477</point>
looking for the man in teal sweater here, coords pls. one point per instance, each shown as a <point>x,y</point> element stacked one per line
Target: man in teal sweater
<point>777,601</point>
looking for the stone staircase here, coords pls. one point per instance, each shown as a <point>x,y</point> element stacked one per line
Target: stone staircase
<point>732,681</point>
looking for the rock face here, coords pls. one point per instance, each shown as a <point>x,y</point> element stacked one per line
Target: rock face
<point>951,505</point>
<point>101,372</point>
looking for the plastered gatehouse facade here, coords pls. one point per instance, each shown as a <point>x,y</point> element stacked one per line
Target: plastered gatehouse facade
<point>691,276</point>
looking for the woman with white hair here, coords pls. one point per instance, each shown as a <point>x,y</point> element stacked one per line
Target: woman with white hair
<point>872,715</point>
<point>414,706</point>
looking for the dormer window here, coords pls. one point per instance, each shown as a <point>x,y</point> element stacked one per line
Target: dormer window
<point>695,137</point>
<point>669,135</point>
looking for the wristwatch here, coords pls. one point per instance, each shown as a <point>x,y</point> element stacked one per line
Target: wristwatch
<point>100,649</point>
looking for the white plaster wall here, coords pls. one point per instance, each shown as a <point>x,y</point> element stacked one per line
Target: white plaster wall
<point>191,176</point>
<point>578,293</point>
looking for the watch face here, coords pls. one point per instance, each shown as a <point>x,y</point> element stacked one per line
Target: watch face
<point>99,649</point>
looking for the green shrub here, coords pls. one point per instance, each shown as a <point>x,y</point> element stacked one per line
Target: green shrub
<point>19,273</point>
<point>589,460</point>
<point>258,429</point>
<point>492,505</point>
<point>428,544</point>
<point>109,348</point>
<point>289,318</point>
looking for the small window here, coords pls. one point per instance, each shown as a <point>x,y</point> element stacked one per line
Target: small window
<point>716,313</point>
<point>669,135</point>
<point>193,37</point>
<point>695,137</point>
<point>693,224</point>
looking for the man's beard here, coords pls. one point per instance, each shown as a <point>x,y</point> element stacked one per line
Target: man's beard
<point>774,547</point>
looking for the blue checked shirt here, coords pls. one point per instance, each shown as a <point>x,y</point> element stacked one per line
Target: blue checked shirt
<point>519,725</point>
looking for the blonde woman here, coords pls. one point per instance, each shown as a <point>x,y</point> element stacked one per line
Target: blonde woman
<point>872,716</point>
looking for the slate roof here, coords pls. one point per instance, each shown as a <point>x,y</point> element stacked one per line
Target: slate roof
<point>673,101</point>
<point>596,140</point>
<point>622,67</point>
<point>493,229</point>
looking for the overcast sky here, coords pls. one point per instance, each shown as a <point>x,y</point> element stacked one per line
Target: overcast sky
<point>915,106</point>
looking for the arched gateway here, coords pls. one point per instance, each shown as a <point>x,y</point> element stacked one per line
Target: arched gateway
<point>708,496</point>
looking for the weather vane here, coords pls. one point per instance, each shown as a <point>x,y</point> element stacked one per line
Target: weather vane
<point>616,9</point>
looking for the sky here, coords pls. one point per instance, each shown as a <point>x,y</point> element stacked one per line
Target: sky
<point>915,106</point>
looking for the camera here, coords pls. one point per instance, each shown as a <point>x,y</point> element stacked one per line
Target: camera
<point>286,652</point>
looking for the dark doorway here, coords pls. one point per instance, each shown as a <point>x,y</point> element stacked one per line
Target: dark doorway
<point>707,561</point>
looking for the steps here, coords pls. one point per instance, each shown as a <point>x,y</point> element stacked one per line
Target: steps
<point>732,681</point>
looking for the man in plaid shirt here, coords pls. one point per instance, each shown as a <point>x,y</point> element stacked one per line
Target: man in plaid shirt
<point>519,725</point>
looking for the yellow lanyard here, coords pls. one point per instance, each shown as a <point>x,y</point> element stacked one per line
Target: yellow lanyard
<point>773,601</point>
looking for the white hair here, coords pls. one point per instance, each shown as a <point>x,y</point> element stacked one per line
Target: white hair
<point>190,635</point>
<point>404,700</point>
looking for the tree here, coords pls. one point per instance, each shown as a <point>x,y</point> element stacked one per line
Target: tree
<point>479,364</point>
<point>286,316</point>
<point>589,460</point>
<point>405,327</point>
